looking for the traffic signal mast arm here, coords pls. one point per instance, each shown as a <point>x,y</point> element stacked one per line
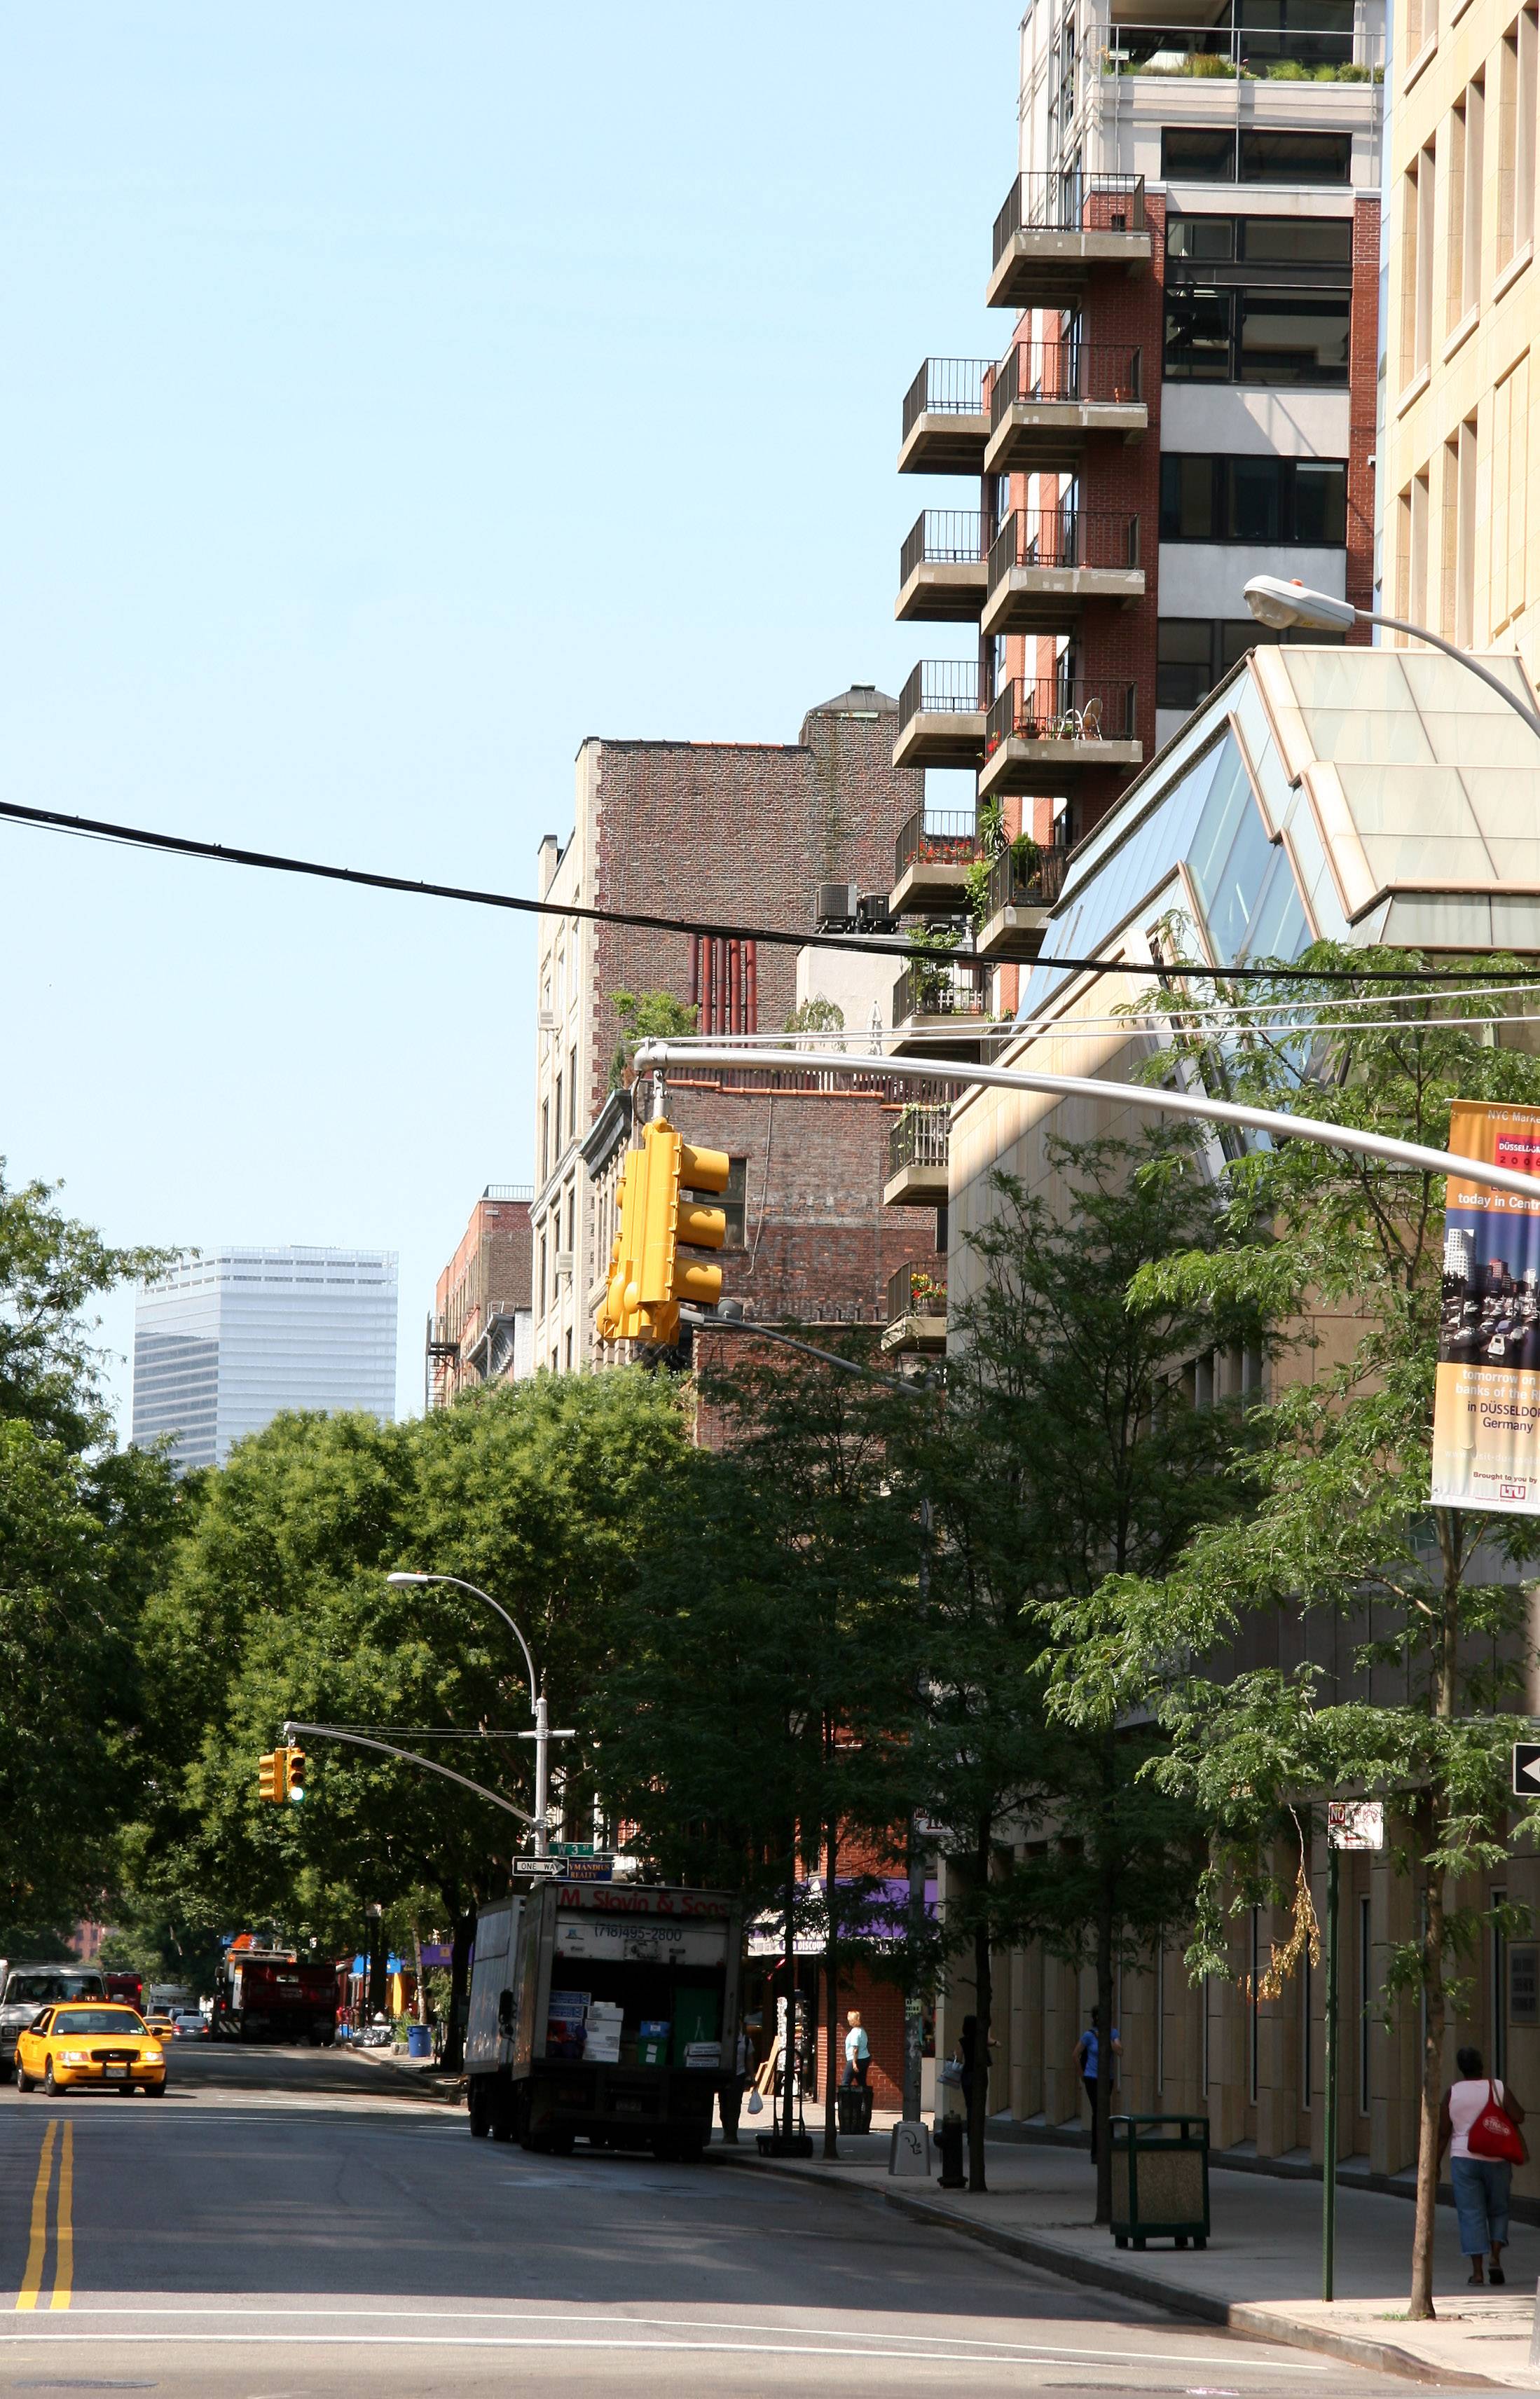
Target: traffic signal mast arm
<point>363,1741</point>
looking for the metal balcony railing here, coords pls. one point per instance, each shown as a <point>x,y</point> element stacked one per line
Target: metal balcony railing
<point>1053,710</point>
<point>916,1291</point>
<point>1102,373</point>
<point>1299,55</point>
<point>940,687</point>
<point>919,1138</point>
<point>935,837</point>
<point>1023,877</point>
<point>941,986</point>
<point>941,537</point>
<point>1063,536</point>
<point>1055,201</point>
<point>946,388</point>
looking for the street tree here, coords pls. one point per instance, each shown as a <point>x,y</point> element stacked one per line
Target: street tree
<point>1427,1603</point>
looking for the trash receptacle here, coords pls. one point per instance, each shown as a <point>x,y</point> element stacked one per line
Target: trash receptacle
<point>948,2141</point>
<point>853,2104</point>
<point>1160,2180</point>
<point>419,2041</point>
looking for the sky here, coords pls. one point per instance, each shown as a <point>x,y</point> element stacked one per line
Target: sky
<point>394,397</point>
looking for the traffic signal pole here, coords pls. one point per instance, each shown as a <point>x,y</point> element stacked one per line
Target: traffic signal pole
<point>1195,1105</point>
<point>388,1749</point>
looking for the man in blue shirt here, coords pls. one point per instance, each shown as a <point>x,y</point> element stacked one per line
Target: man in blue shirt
<point>1087,2054</point>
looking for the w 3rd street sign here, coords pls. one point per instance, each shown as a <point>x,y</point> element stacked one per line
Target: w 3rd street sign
<point>1526,1768</point>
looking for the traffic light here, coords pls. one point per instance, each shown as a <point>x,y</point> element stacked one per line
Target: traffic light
<point>270,1779</point>
<point>672,1222</point>
<point>618,1315</point>
<point>294,1777</point>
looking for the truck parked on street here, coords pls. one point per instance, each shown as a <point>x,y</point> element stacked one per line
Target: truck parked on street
<point>603,2011</point>
<point>269,1994</point>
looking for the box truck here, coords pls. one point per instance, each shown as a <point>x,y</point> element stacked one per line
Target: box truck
<point>601,2010</point>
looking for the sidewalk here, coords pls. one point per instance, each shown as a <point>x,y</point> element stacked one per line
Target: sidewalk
<point>1260,2273</point>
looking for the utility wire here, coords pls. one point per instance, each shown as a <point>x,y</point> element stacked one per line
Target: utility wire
<point>278,862</point>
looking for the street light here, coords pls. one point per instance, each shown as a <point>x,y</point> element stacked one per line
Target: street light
<point>1281,606</point>
<point>543,1733</point>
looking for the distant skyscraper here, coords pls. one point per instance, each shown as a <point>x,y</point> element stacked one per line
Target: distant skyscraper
<point>226,1342</point>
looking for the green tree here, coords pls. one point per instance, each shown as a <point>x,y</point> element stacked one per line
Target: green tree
<point>646,1016</point>
<point>82,1528</point>
<point>1340,1530</point>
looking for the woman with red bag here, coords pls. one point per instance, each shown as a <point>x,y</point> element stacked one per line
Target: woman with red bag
<point>1478,2125</point>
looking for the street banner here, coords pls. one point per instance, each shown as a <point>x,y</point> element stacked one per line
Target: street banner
<point>1486,1415</point>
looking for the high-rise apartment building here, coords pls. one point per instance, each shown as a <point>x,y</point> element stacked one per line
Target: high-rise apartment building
<point>226,1342</point>
<point>736,834</point>
<point>1460,449</point>
<point>1189,256</point>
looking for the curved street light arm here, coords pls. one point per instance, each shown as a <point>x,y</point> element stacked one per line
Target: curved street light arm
<point>475,1588</point>
<point>361,1740</point>
<point>1437,642</point>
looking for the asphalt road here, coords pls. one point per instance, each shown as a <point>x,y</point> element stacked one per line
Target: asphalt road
<point>299,2225</point>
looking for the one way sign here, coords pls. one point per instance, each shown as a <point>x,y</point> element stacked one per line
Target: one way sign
<point>1526,1768</point>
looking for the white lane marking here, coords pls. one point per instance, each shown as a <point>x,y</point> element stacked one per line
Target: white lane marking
<point>676,2323</point>
<point>546,2340</point>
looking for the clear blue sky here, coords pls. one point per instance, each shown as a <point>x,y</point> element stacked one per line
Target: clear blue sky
<point>393,397</point>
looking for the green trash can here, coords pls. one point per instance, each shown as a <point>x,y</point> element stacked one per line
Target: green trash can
<point>1160,2180</point>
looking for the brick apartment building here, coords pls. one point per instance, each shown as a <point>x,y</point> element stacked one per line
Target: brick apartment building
<point>1189,254</point>
<point>480,1331</point>
<point>737,833</point>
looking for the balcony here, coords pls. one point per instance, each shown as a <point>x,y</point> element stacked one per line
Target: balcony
<point>917,1158</point>
<point>1046,562</point>
<point>941,568</point>
<point>1050,397</point>
<point>938,1002</point>
<point>931,859</point>
<point>1024,882</point>
<point>1056,229</point>
<point>946,423</point>
<point>917,1308</point>
<point>1247,54</point>
<point>940,717</point>
<point>1041,733</point>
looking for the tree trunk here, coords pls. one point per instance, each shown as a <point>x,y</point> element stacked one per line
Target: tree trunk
<point>459,1983</point>
<point>1430,1807</point>
<point>831,2002</point>
<point>983,1992</point>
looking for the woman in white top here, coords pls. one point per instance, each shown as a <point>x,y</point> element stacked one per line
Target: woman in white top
<point>1480,2184</point>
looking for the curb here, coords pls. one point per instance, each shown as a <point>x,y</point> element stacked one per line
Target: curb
<point>1252,2322</point>
<point>440,2090</point>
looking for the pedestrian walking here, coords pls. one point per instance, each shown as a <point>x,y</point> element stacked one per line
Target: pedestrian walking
<point>1478,2125</point>
<point>1088,2058</point>
<point>730,2095</point>
<point>857,2051</point>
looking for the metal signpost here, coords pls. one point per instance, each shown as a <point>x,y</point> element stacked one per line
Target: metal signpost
<point>1350,1824</point>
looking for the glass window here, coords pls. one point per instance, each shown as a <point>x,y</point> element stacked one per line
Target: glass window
<point>1210,237</point>
<point>1296,157</point>
<point>1320,500</point>
<point>1231,857</point>
<point>1256,498</point>
<point>1292,338</point>
<point>1187,498</point>
<point>1183,652</point>
<point>1197,335</point>
<point>118,2020</point>
<point>1196,155</point>
<point>1290,241</point>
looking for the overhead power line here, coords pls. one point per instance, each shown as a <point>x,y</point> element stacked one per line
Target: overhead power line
<point>278,862</point>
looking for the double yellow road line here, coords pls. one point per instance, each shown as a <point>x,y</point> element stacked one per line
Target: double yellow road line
<point>59,2138</point>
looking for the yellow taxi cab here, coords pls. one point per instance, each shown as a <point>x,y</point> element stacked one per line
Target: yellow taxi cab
<point>160,2025</point>
<point>90,2045</point>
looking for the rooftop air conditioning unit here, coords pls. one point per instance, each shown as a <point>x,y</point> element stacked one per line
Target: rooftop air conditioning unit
<point>873,913</point>
<point>836,907</point>
<point>564,1263</point>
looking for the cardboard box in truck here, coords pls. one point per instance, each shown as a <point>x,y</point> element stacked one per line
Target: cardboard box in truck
<point>602,2011</point>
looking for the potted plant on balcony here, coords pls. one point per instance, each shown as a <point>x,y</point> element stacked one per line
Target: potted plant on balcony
<point>930,966</point>
<point>1026,862</point>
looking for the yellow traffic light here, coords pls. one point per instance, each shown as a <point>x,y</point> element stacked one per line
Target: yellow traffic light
<point>295,1773</point>
<point>671,1221</point>
<point>618,1315</point>
<point>270,1776</point>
